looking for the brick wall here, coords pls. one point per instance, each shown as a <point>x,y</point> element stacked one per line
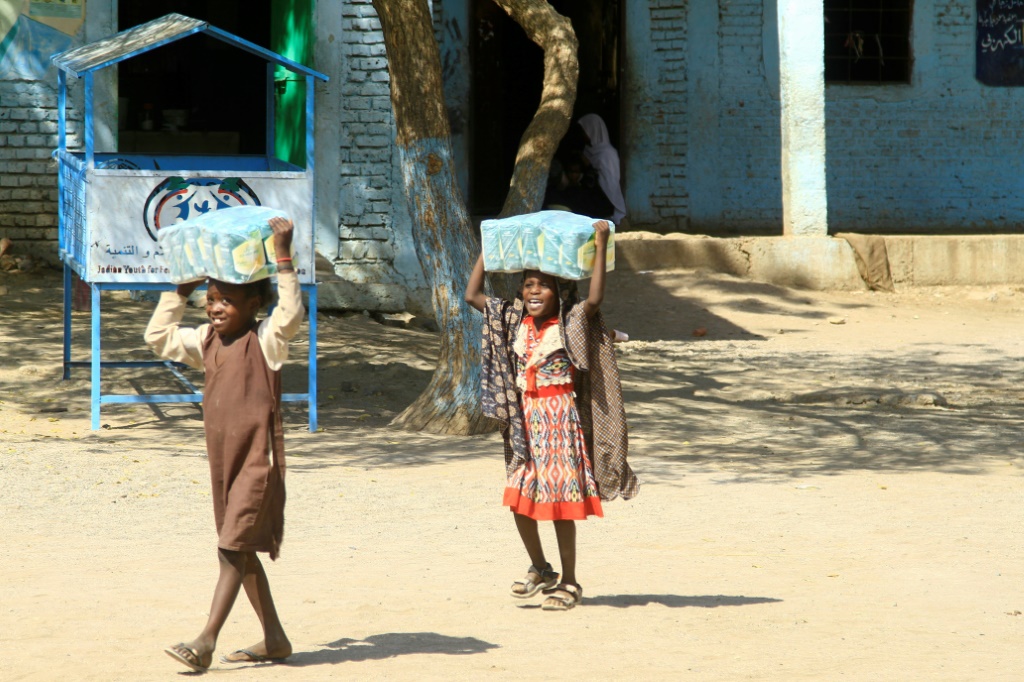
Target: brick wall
<point>937,154</point>
<point>28,174</point>
<point>367,177</point>
<point>749,160</point>
<point>654,146</point>
<point>670,196</point>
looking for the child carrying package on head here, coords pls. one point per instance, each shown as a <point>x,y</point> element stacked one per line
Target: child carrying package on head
<point>242,358</point>
<point>549,376</point>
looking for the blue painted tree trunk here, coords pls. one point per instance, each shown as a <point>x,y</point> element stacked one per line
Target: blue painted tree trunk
<point>447,250</point>
<point>442,233</point>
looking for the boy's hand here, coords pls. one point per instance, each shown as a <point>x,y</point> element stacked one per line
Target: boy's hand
<point>283,229</point>
<point>601,231</point>
<point>185,290</point>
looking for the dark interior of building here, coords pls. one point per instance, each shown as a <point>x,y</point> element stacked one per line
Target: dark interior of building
<point>198,94</point>
<point>507,77</point>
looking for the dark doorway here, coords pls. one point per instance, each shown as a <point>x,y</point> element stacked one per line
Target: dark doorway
<point>507,73</point>
<point>199,94</point>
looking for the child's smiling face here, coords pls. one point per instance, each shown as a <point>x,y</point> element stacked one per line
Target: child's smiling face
<point>540,295</point>
<point>230,309</point>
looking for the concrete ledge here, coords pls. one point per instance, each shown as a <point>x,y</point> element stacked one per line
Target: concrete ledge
<point>960,259</point>
<point>828,263</point>
<point>805,262</point>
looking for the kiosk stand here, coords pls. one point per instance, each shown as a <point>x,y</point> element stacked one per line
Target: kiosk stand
<point>112,205</point>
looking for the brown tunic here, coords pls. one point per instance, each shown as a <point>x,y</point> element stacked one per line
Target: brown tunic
<point>244,440</point>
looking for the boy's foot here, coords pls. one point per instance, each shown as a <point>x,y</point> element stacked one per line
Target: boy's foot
<point>537,579</point>
<point>258,653</point>
<point>563,597</point>
<point>190,657</point>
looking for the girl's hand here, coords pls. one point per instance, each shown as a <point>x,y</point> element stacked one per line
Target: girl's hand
<point>475,296</point>
<point>601,231</point>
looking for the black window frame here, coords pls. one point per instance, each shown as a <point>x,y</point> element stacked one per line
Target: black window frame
<point>868,42</point>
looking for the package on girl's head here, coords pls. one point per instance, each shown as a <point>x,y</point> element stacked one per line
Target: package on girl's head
<point>556,242</point>
<point>232,245</point>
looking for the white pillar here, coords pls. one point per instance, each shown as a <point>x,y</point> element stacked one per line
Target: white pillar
<point>802,95</point>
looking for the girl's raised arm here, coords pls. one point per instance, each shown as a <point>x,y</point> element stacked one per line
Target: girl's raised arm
<point>596,295</point>
<point>475,289</point>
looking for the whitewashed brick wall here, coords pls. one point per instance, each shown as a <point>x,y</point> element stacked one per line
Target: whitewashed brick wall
<point>28,174</point>
<point>367,141</point>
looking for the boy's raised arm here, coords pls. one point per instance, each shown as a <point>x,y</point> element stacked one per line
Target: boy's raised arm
<point>475,289</point>
<point>596,295</point>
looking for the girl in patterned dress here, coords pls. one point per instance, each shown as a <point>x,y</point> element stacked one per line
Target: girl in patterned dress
<point>242,358</point>
<point>549,377</point>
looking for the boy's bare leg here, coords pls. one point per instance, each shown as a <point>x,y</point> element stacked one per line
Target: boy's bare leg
<point>232,568</point>
<point>531,539</point>
<point>275,644</point>
<point>565,531</point>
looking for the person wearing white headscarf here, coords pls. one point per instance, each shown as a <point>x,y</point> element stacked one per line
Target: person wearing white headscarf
<point>603,157</point>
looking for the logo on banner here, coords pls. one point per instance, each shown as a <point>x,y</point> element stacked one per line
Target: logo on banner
<point>178,199</point>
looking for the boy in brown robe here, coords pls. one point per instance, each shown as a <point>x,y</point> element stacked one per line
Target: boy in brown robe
<point>242,358</point>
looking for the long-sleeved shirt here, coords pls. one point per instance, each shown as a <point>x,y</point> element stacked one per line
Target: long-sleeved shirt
<point>170,340</point>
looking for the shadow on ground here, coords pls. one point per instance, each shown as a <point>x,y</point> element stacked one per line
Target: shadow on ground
<point>675,601</point>
<point>390,645</point>
<point>735,405</point>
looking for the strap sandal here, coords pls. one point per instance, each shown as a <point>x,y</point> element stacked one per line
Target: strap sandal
<point>563,597</point>
<point>535,581</point>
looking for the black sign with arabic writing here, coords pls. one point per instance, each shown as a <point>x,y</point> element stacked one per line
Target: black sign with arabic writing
<point>1000,48</point>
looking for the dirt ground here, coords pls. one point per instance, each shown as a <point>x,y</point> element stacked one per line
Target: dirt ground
<point>831,489</point>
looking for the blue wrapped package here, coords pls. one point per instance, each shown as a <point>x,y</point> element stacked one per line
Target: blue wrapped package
<point>232,245</point>
<point>556,242</point>
<point>502,248</point>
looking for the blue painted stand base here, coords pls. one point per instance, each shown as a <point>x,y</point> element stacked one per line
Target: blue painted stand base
<point>194,395</point>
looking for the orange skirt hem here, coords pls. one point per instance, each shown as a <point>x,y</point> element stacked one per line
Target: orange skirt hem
<point>552,511</point>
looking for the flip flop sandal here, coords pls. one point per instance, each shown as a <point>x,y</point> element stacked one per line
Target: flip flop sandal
<point>536,580</point>
<point>563,597</point>
<point>247,656</point>
<point>187,656</point>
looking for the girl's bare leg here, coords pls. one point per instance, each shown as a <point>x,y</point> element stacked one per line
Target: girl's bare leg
<point>565,531</point>
<point>531,539</point>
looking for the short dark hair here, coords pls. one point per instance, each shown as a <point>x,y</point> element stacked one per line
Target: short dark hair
<point>261,288</point>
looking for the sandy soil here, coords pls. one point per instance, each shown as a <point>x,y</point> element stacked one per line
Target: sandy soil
<point>819,501</point>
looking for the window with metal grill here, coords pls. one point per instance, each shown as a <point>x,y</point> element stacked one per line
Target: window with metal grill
<point>867,41</point>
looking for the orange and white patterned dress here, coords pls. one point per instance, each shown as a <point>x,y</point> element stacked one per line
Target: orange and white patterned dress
<point>556,482</point>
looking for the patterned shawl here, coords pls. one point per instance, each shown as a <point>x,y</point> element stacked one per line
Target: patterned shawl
<point>598,392</point>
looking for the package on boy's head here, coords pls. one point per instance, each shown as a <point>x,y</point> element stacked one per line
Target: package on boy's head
<point>232,245</point>
<point>556,242</point>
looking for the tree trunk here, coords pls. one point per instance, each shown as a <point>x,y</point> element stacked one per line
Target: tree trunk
<point>441,228</point>
<point>554,34</point>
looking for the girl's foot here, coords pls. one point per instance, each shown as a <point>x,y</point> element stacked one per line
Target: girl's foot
<point>535,581</point>
<point>190,656</point>
<point>563,597</point>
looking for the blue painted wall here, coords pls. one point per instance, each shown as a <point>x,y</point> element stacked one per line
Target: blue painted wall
<point>938,154</point>
<point>701,127</point>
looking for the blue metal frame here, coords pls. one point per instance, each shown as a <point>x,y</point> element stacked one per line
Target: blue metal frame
<point>96,363</point>
<point>66,64</point>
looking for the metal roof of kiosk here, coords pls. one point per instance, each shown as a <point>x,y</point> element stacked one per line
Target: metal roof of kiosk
<point>153,34</point>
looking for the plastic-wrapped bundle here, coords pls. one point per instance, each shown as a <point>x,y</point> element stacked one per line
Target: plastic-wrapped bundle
<point>232,245</point>
<point>502,247</point>
<point>556,242</point>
